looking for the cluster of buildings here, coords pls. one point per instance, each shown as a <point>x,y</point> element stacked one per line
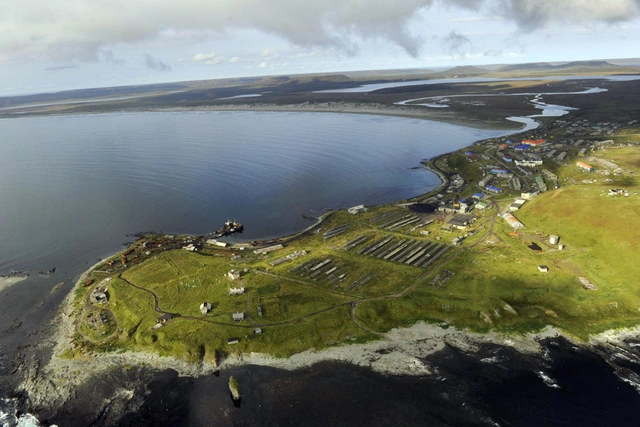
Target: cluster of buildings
<point>587,128</point>
<point>456,183</point>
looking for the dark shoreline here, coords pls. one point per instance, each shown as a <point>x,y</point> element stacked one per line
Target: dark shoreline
<point>507,388</point>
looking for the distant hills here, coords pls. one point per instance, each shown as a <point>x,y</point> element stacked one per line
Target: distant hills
<point>542,66</point>
<point>461,71</point>
<point>276,88</point>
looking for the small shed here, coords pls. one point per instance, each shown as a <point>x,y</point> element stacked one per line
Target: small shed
<point>238,316</point>
<point>231,341</point>
<point>259,311</point>
<point>233,275</point>
<point>205,307</point>
<point>257,331</point>
<point>543,268</point>
<point>239,290</point>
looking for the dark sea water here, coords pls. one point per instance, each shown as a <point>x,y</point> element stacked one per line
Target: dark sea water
<point>72,188</point>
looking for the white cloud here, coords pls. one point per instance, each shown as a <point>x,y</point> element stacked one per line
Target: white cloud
<point>200,57</point>
<point>234,60</point>
<point>268,55</point>
<point>215,61</point>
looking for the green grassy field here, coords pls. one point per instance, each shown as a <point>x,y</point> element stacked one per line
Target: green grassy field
<point>497,285</point>
<point>491,282</point>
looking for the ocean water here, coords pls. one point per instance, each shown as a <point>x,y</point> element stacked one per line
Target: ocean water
<point>72,188</point>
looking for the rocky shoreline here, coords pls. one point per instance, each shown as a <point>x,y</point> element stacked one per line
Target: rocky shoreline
<point>401,351</point>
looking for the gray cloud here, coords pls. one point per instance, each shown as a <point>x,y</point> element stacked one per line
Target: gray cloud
<point>492,53</point>
<point>533,14</point>
<point>155,63</point>
<point>66,30</point>
<point>109,58</point>
<point>456,43</point>
<point>61,67</point>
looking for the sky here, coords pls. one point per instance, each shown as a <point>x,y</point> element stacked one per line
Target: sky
<point>53,45</point>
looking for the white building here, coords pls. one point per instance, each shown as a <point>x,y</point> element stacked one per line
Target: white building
<point>268,249</point>
<point>239,290</point>
<point>357,209</point>
<point>205,308</point>
<point>215,242</point>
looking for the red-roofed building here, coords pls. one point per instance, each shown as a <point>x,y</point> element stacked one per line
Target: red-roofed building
<point>533,141</point>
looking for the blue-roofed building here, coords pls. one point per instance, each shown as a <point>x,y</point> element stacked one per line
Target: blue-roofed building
<point>478,196</point>
<point>499,171</point>
<point>470,153</point>
<point>494,189</point>
<point>522,147</point>
<point>508,141</point>
<point>507,159</point>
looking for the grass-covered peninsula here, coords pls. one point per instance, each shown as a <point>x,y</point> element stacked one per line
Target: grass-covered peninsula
<point>567,258</point>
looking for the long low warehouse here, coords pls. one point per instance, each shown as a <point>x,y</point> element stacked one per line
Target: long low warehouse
<point>512,220</point>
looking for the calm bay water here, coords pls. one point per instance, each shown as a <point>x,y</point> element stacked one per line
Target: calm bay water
<point>73,187</point>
